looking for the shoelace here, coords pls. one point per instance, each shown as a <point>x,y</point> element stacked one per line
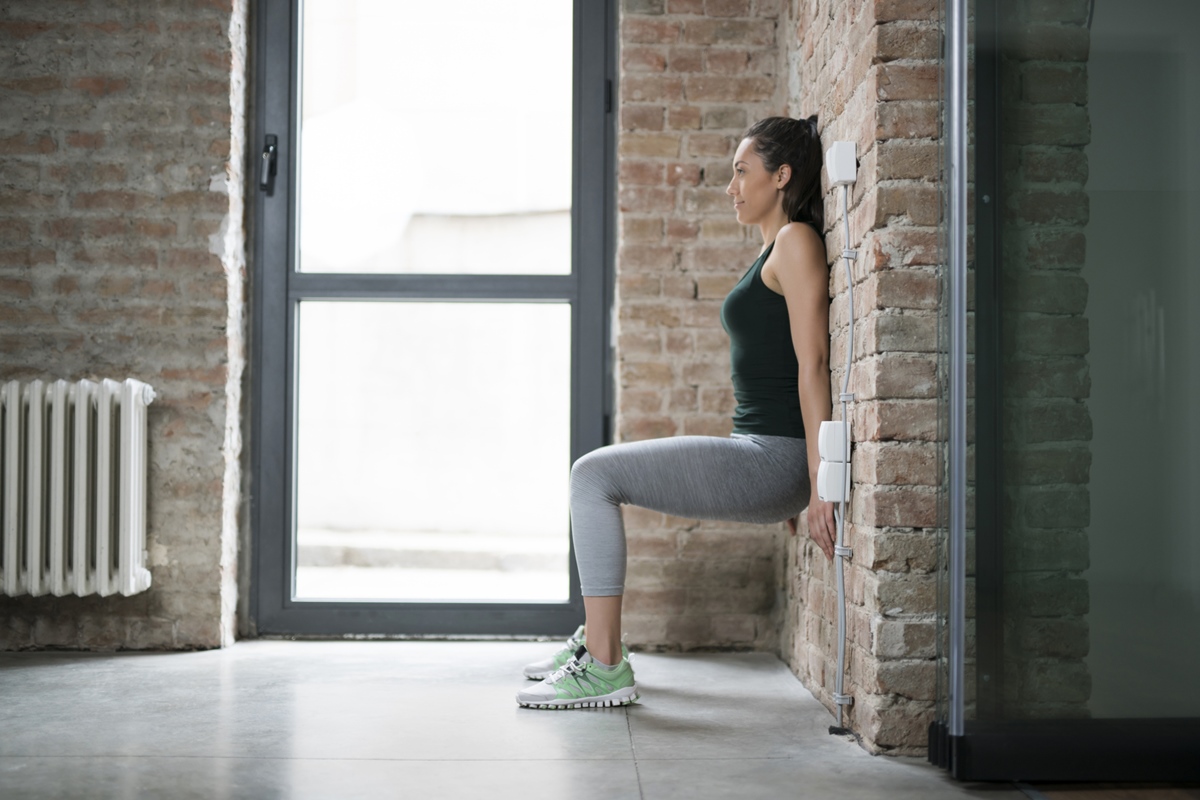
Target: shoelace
<point>572,667</point>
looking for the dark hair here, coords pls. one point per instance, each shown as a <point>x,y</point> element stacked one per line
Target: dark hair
<point>795,142</point>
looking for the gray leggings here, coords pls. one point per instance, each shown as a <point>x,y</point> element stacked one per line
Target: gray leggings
<point>745,478</point>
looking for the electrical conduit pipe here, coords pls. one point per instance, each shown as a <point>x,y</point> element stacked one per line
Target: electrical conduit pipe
<point>833,477</point>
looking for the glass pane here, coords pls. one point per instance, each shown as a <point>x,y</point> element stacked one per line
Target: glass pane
<point>1101,363</point>
<point>1143,307</point>
<point>436,137</point>
<point>433,451</point>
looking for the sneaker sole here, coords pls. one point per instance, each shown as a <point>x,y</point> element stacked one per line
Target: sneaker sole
<point>622,697</point>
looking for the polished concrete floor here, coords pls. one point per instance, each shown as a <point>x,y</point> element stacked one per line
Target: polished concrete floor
<point>270,719</point>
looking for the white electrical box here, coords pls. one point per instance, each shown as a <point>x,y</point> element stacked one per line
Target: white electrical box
<point>831,482</point>
<point>842,162</point>
<point>831,441</point>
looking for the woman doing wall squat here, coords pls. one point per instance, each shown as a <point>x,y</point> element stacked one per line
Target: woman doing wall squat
<point>777,318</point>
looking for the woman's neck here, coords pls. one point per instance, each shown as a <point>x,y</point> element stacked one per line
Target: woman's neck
<point>769,228</point>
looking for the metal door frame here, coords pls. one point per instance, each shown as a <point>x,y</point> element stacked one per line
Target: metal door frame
<point>277,288</point>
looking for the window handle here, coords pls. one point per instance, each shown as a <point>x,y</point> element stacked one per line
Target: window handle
<point>267,167</point>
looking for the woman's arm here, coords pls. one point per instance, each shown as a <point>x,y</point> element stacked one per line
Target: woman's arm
<point>796,269</point>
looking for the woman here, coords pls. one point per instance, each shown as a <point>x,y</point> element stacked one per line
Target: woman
<point>777,318</point>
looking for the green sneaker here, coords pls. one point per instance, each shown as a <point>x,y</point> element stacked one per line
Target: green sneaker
<point>540,670</point>
<point>582,683</point>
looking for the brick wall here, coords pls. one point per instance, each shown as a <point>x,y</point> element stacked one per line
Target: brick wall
<point>1047,426</point>
<point>693,75</point>
<point>871,71</point>
<point>121,255</point>
<point>692,78</point>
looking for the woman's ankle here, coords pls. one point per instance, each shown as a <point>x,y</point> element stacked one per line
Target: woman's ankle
<point>606,657</point>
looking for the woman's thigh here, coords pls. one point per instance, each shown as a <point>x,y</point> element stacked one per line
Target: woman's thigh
<point>743,478</point>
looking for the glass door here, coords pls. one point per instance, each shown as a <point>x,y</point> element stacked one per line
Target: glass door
<point>431,286</point>
<point>1081,559</point>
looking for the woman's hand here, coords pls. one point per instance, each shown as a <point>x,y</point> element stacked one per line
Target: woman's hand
<point>822,527</point>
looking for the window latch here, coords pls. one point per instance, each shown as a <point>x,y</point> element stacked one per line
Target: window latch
<point>267,167</point>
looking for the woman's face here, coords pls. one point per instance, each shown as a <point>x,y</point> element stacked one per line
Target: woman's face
<point>756,192</point>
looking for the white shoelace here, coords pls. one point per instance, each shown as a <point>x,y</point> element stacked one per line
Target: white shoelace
<point>572,667</point>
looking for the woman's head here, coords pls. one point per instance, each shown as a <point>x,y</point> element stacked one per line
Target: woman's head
<point>790,152</point>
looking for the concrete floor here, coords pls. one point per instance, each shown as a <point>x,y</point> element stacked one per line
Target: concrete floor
<point>268,719</point>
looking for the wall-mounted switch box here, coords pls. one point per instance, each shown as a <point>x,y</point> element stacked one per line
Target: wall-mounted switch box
<point>831,441</point>
<point>831,482</point>
<point>842,162</point>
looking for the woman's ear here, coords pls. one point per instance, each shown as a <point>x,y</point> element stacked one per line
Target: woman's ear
<point>783,176</point>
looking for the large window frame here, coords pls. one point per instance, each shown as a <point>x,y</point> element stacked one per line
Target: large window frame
<point>278,287</point>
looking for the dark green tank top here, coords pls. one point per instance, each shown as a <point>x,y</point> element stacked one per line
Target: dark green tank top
<point>763,360</point>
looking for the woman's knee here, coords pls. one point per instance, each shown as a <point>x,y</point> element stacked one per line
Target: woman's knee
<point>588,469</point>
<point>598,475</point>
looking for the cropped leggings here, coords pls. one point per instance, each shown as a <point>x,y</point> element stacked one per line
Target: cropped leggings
<point>745,478</point>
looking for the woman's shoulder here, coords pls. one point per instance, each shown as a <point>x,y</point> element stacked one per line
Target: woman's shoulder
<point>799,235</point>
<point>799,243</point>
<point>798,253</point>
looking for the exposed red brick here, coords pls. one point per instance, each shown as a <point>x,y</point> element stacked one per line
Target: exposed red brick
<point>640,229</point>
<point>640,30</point>
<point>652,89</point>
<point>219,59</point>
<point>85,139</point>
<point>679,230</point>
<point>26,257</point>
<point>905,40</point>
<point>643,59</point>
<point>891,10</point>
<point>190,259</point>
<point>100,86</point>
<point>210,375</point>
<point>213,202</point>
<point>113,200</point>
<point>642,118</point>
<point>705,88</point>
<point>14,230</point>
<point>906,81</point>
<point>23,28</point>
<point>681,173</point>
<point>684,117</point>
<point>27,144</point>
<point>15,287</point>
<point>39,84</point>
<point>729,31</point>
<point>686,59</point>
<point>646,199</point>
<point>727,8</point>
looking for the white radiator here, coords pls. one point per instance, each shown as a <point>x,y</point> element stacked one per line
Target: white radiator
<point>73,498</point>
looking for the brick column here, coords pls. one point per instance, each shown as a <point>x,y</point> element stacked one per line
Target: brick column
<point>121,255</point>
<point>871,71</point>
<point>694,75</point>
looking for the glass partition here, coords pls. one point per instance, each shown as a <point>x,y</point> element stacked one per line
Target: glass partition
<point>1083,525</point>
